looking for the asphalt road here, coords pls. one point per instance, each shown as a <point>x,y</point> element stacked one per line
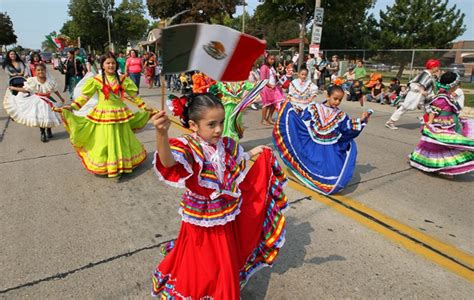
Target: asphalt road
<point>65,233</point>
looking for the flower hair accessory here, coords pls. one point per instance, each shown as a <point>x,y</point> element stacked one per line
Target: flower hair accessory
<point>449,86</point>
<point>177,106</point>
<point>338,81</point>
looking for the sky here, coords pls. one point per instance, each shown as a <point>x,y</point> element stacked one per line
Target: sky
<point>33,19</point>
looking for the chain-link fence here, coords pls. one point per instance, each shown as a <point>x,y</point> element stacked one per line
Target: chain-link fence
<point>401,63</point>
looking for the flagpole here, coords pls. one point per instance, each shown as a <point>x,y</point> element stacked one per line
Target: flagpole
<point>162,92</point>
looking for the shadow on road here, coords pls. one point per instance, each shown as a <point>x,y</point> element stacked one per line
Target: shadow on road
<point>292,256</point>
<point>141,169</point>
<point>356,178</point>
<point>409,126</point>
<point>59,135</point>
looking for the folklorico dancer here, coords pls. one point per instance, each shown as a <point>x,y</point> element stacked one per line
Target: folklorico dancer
<point>104,138</point>
<point>302,91</point>
<point>447,142</point>
<point>231,93</point>
<point>317,144</point>
<point>420,90</point>
<point>232,220</point>
<point>272,95</point>
<point>35,109</point>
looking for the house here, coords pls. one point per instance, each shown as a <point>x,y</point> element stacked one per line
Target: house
<point>153,40</point>
<point>463,53</point>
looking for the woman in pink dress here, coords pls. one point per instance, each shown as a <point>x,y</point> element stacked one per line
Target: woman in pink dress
<point>272,94</point>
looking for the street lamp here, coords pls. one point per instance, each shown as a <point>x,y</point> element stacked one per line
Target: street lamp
<point>168,22</point>
<point>107,14</point>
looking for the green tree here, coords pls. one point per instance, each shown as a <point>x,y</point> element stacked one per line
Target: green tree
<point>88,22</point>
<point>126,23</point>
<point>7,33</point>
<point>275,12</point>
<point>419,24</point>
<point>346,24</point>
<point>129,23</point>
<point>199,10</point>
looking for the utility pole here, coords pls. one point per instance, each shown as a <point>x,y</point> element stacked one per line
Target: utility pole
<point>243,16</point>
<point>111,45</point>
<point>107,14</point>
<point>317,28</point>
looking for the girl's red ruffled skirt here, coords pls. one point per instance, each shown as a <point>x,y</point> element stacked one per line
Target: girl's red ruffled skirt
<point>214,262</point>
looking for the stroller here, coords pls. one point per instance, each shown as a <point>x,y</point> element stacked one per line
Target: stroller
<point>16,81</point>
<point>186,83</point>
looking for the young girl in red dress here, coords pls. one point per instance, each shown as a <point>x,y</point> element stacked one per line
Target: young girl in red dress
<point>232,220</point>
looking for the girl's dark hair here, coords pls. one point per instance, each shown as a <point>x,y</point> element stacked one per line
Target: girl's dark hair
<point>103,58</point>
<point>334,88</point>
<point>37,55</point>
<point>448,77</point>
<point>303,69</point>
<point>266,59</point>
<point>134,51</point>
<point>8,62</point>
<point>42,65</point>
<point>197,104</point>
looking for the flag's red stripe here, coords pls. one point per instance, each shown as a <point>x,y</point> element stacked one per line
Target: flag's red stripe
<point>246,52</point>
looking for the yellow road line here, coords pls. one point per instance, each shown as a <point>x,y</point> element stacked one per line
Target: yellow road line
<point>413,240</point>
<point>436,251</point>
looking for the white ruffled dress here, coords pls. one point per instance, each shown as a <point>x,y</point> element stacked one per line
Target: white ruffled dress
<point>34,109</point>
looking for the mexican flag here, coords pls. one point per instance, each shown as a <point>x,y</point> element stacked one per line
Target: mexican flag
<point>220,52</point>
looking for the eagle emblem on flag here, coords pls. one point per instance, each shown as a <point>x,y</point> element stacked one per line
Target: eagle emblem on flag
<point>215,49</point>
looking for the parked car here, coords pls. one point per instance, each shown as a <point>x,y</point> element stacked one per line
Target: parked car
<point>82,51</point>
<point>394,68</point>
<point>47,57</point>
<point>457,68</point>
<point>382,67</point>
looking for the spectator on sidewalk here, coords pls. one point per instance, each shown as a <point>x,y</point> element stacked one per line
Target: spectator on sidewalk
<point>311,66</point>
<point>377,92</point>
<point>322,71</point>
<point>333,67</point>
<point>355,93</point>
<point>360,71</point>
<point>349,78</point>
<point>73,71</point>
<point>393,91</point>
<point>121,63</point>
<point>134,68</point>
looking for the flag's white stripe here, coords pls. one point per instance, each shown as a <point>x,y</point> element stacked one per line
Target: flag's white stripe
<point>202,61</point>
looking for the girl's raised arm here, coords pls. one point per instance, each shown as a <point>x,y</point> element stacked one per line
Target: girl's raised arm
<point>162,124</point>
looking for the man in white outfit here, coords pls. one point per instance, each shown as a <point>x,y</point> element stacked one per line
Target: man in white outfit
<point>419,89</point>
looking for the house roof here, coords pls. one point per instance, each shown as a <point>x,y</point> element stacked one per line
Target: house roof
<point>154,34</point>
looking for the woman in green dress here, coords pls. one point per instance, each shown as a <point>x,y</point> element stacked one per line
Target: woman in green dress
<point>104,138</point>
<point>231,93</point>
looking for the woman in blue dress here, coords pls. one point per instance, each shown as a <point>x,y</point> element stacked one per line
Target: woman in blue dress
<point>317,144</point>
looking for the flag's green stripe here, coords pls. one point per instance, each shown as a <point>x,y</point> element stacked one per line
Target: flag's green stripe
<point>177,43</point>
